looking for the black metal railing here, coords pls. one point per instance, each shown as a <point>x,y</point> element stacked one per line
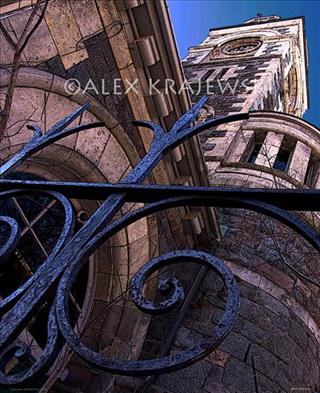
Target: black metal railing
<point>58,273</point>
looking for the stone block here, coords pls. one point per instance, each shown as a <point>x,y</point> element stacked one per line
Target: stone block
<point>239,376</point>
<point>281,279</point>
<point>187,380</point>
<point>253,332</point>
<point>236,345</point>
<point>264,361</point>
<point>69,43</point>
<point>218,357</point>
<point>271,303</point>
<point>299,333</point>
<point>299,162</point>
<point>187,338</point>
<point>81,10</point>
<point>213,387</point>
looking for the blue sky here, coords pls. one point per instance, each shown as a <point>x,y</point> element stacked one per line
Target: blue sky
<point>192,20</point>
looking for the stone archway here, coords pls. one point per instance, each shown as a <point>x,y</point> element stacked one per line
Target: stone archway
<point>101,154</point>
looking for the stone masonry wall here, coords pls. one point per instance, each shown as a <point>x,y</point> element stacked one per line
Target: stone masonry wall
<point>268,343</point>
<point>274,345</point>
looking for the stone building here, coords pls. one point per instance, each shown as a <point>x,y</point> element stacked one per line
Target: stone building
<point>274,345</point>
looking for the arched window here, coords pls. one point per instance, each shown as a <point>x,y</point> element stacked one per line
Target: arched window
<point>41,219</point>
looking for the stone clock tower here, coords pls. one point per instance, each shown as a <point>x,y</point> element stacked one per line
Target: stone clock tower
<point>258,67</point>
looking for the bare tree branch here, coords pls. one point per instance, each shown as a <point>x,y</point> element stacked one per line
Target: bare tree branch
<point>20,46</point>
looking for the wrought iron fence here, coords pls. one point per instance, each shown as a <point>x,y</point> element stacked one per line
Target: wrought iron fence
<point>58,273</point>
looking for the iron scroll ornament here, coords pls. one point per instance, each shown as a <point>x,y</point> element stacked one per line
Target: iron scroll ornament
<point>60,269</point>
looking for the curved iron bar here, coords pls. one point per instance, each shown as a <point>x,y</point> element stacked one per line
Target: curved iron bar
<point>60,270</point>
<point>10,244</point>
<point>188,357</point>
<point>42,364</point>
<point>172,362</point>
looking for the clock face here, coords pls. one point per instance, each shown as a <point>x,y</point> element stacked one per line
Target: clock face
<point>241,46</point>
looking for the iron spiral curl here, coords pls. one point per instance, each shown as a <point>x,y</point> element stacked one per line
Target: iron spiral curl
<point>58,273</point>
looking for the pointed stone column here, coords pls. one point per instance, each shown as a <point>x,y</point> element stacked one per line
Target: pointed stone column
<point>240,145</point>
<point>299,162</point>
<point>269,149</point>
